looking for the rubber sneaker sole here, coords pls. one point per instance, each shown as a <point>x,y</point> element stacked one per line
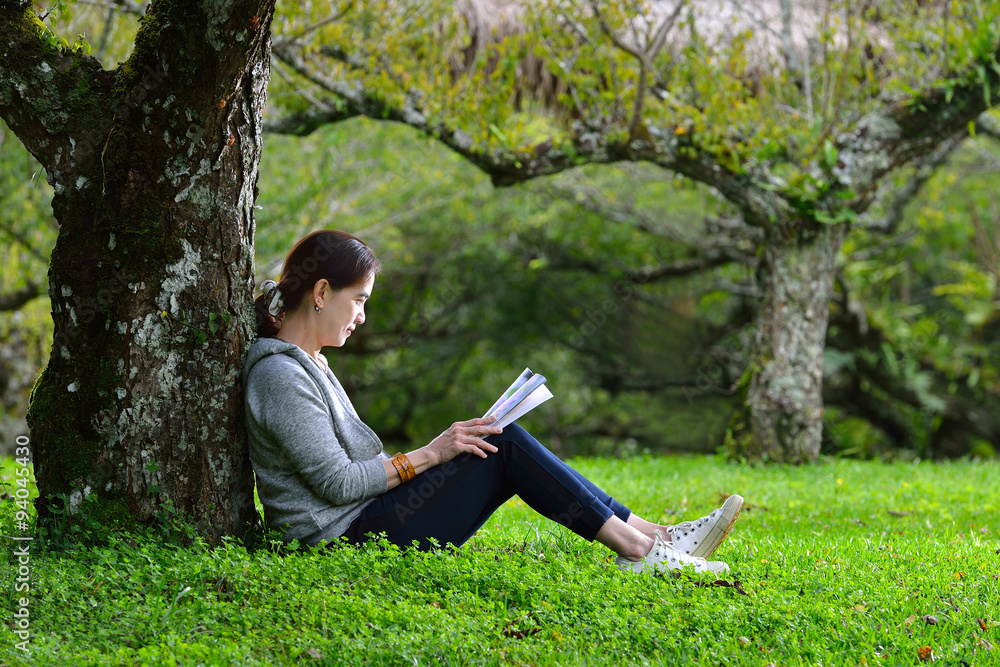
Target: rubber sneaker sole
<point>720,531</point>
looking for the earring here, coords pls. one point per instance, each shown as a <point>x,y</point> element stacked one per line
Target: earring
<point>317,308</point>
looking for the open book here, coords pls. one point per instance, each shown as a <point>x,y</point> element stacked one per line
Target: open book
<point>526,394</point>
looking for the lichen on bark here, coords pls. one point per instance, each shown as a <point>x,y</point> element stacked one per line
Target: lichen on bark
<point>140,403</point>
<point>784,401</point>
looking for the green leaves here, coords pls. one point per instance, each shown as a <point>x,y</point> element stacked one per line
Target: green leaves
<point>218,320</point>
<point>215,322</point>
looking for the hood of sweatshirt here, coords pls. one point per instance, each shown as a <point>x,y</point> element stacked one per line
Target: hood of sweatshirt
<point>316,462</point>
<point>265,347</point>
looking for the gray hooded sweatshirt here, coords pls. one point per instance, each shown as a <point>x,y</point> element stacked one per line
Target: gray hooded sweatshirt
<point>317,463</point>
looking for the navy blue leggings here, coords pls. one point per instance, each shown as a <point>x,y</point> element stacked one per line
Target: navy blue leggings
<point>450,502</point>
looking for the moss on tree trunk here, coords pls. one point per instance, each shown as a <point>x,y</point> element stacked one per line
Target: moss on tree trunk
<point>783,415</point>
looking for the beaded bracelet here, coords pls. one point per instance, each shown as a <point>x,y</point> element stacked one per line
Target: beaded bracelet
<point>404,467</point>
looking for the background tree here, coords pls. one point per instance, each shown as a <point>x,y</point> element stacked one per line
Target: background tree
<point>636,293</point>
<point>27,231</point>
<point>153,165</point>
<point>796,119</point>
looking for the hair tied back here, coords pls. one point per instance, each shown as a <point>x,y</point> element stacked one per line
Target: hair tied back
<point>273,296</point>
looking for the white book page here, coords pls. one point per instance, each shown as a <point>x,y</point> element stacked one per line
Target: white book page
<point>530,402</point>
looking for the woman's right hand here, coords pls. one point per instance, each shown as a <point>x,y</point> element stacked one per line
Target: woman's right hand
<point>461,437</point>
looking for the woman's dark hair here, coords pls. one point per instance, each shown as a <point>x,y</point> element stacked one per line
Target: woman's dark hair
<point>344,260</point>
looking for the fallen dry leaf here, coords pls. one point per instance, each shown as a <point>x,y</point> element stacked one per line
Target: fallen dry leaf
<point>723,584</point>
<point>925,653</point>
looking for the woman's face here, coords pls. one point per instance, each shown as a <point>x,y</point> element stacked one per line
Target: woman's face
<point>343,310</point>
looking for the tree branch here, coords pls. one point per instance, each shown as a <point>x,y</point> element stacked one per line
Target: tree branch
<point>960,404</point>
<point>787,45</point>
<point>590,141</point>
<point>988,125</point>
<point>716,233</point>
<point>925,168</point>
<point>15,300</point>
<point>885,140</point>
<point>306,122</point>
<point>40,88</point>
<point>504,167</point>
<point>645,58</point>
<point>336,16</point>
<point>679,269</point>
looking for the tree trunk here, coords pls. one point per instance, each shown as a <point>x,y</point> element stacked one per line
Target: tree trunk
<point>784,401</point>
<point>140,406</point>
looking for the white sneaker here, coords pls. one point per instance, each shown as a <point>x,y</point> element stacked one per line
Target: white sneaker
<point>702,537</point>
<point>663,557</point>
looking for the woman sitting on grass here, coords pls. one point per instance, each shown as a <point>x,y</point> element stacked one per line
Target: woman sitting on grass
<point>322,474</point>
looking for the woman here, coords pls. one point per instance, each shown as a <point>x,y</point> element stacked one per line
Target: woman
<point>322,474</point>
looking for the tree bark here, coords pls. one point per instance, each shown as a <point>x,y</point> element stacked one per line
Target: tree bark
<point>154,168</point>
<point>784,392</point>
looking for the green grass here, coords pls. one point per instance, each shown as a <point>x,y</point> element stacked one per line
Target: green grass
<point>843,563</point>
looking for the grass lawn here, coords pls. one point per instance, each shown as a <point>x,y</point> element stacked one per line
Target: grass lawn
<point>842,563</point>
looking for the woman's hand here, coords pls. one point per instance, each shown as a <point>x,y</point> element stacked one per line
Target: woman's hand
<point>460,437</point>
<point>463,437</point>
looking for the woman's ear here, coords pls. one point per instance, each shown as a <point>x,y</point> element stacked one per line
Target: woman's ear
<point>319,290</point>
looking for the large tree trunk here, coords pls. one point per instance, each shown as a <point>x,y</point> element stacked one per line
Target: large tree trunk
<point>784,401</point>
<point>154,167</point>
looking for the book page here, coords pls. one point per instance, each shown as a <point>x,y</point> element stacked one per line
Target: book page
<point>530,402</point>
<point>517,384</point>
<point>533,383</point>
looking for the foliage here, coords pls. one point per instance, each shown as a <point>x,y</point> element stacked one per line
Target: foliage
<point>840,563</point>
<point>480,283</point>
<point>796,137</point>
<point>720,92</point>
<point>931,290</point>
<point>27,231</point>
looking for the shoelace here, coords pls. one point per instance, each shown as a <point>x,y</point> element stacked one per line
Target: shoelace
<point>686,526</point>
<point>659,542</point>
